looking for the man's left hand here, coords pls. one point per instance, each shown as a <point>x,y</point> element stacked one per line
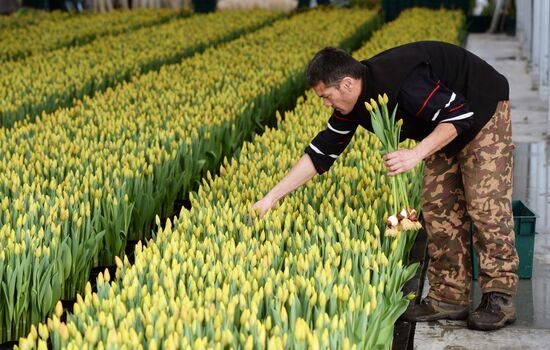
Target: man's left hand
<point>401,161</point>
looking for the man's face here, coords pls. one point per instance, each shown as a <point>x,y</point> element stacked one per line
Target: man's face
<point>341,97</point>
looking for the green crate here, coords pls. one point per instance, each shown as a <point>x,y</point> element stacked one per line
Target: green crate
<point>524,227</point>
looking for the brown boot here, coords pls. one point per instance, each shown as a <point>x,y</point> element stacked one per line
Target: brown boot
<point>494,312</point>
<point>432,310</point>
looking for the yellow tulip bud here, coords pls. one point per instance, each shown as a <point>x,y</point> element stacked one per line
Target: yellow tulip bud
<point>92,335</point>
<point>394,245</point>
<point>34,332</point>
<point>42,345</point>
<point>322,300</point>
<point>149,331</point>
<point>373,304</point>
<point>334,323</point>
<point>268,288</point>
<point>63,331</point>
<point>43,331</point>
<point>301,329</point>
<point>249,343</point>
<point>118,262</point>
<point>346,344</point>
<point>58,309</point>
<point>313,342</point>
<point>227,337</point>
<point>373,103</point>
<point>381,287</point>
<point>284,316</point>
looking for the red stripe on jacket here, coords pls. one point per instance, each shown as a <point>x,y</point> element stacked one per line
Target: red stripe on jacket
<point>456,108</point>
<point>428,98</point>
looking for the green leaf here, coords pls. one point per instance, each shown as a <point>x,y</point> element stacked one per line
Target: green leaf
<point>66,259</point>
<point>377,128</point>
<point>47,301</point>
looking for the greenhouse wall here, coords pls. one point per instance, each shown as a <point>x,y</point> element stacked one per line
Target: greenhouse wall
<point>533,30</point>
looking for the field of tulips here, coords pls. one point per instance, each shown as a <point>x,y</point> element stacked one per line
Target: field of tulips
<point>319,271</point>
<point>99,172</point>
<point>315,272</point>
<point>45,82</point>
<point>21,41</point>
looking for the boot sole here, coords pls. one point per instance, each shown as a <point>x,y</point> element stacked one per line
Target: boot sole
<point>492,326</point>
<point>463,315</point>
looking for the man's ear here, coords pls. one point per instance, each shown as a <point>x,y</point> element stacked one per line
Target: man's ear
<point>347,84</point>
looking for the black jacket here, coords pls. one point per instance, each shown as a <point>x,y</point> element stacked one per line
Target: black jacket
<point>431,82</point>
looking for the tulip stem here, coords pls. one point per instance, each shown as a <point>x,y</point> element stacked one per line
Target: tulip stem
<point>394,193</point>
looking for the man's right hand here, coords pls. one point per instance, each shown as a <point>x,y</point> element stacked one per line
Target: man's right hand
<point>302,171</point>
<point>263,205</point>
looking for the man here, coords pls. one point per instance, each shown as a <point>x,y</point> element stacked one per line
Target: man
<point>456,106</point>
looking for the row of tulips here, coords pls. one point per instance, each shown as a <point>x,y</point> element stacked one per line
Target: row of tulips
<point>19,42</point>
<point>415,26</point>
<point>316,272</point>
<point>43,83</point>
<point>77,184</point>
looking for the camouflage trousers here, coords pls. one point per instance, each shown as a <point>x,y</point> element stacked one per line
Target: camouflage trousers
<point>474,186</point>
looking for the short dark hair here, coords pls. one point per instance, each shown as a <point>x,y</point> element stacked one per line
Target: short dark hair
<point>331,65</point>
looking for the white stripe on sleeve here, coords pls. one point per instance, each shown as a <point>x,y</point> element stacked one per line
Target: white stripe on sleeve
<point>317,150</point>
<point>460,117</point>
<point>338,131</point>
<point>436,114</point>
<point>453,96</point>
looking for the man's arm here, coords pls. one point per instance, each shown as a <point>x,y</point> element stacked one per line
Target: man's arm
<point>301,173</point>
<point>405,159</point>
<point>424,96</point>
<point>319,156</point>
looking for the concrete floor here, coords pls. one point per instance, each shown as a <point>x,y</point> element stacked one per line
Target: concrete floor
<point>531,185</point>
